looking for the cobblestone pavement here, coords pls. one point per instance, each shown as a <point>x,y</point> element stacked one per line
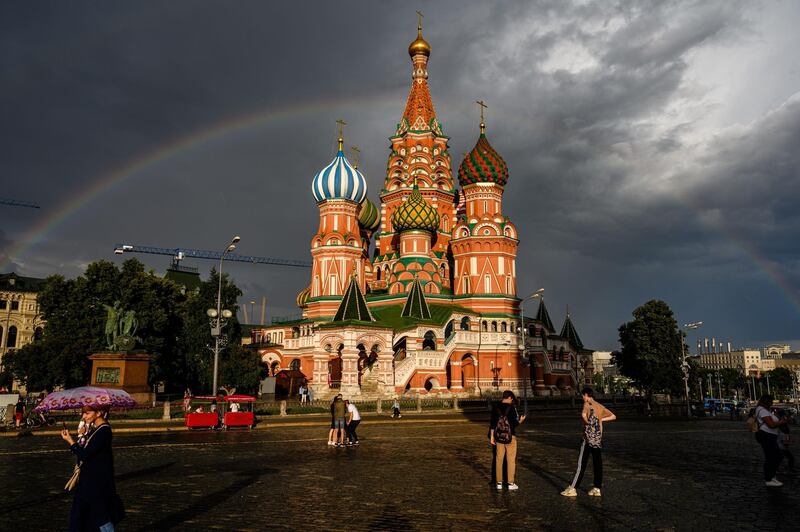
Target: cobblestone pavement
<point>429,473</point>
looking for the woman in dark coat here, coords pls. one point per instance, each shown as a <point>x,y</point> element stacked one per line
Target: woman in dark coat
<point>93,507</point>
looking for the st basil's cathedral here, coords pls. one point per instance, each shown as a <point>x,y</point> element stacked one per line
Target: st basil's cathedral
<point>434,309</point>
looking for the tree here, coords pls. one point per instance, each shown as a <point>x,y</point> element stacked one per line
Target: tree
<point>241,368</point>
<point>780,381</point>
<point>196,364</point>
<point>651,352</point>
<point>75,315</point>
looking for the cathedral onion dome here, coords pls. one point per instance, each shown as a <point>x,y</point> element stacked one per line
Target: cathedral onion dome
<point>415,213</point>
<point>339,180</point>
<point>420,45</point>
<point>483,164</point>
<point>370,217</point>
<point>303,296</point>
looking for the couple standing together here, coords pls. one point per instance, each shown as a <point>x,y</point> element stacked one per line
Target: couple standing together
<point>502,436</point>
<point>345,419</point>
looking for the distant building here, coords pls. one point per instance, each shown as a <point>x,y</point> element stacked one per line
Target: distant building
<point>601,360</point>
<point>748,360</point>
<point>776,350</point>
<point>19,311</point>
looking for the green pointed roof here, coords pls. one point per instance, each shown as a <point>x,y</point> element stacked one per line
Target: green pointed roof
<point>543,316</point>
<point>353,305</point>
<point>568,331</point>
<point>416,306</point>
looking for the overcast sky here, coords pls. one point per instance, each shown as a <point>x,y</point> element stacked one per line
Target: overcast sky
<point>653,147</point>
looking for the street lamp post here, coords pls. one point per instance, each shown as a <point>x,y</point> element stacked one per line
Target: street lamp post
<point>685,363</point>
<point>526,362</point>
<point>219,316</point>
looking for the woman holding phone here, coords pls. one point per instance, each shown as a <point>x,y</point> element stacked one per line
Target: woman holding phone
<point>96,505</point>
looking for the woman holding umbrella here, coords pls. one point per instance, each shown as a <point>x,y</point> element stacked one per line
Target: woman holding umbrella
<point>96,505</point>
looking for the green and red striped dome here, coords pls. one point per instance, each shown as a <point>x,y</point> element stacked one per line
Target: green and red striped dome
<point>483,165</point>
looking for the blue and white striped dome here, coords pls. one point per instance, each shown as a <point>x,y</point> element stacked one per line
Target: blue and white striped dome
<point>339,180</point>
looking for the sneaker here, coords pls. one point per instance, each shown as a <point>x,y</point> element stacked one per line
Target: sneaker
<point>499,486</point>
<point>774,483</point>
<point>595,492</point>
<point>331,443</point>
<point>570,492</point>
<point>512,486</point>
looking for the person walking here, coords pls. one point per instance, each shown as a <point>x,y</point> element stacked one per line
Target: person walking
<point>19,411</point>
<point>502,436</point>
<point>593,416</point>
<point>353,420</point>
<point>332,432</point>
<point>302,393</point>
<point>339,413</point>
<point>96,505</point>
<point>767,436</point>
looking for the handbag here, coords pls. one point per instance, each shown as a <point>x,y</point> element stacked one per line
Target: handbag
<point>73,480</point>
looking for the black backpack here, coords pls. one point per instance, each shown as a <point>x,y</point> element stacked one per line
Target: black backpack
<point>502,431</point>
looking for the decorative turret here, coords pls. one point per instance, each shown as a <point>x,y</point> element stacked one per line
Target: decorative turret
<point>416,306</point>
<point>568,332</point>
<point>415,214</point>
<point>483,164</point>
<point>543,317</point>
<point>370,217</point>
<point>339,179</point>
<point>420,46</point>
<point>353,305</point>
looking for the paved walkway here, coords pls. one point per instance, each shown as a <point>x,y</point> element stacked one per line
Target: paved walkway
<point>429,473</point>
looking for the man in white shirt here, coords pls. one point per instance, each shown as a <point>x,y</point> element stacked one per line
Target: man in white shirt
<point>353,419</point>
<point>234,407</point>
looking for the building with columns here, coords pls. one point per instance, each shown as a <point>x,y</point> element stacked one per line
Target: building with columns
<point>432,305</point>
<point>20,321</point>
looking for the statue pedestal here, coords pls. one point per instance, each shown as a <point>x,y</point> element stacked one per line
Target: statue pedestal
<point>123,371</point>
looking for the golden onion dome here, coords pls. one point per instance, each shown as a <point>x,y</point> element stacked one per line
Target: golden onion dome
<point>420,45</point>
<point>415,214</point>
<point>303,297</point>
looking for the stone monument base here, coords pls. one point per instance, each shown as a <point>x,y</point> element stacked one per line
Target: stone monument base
<point>123,371</point>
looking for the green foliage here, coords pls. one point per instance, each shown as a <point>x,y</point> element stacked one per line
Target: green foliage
<point>780,381</point>
<point>240,368</point>
<point>173,328</point>
<point>651,352</point>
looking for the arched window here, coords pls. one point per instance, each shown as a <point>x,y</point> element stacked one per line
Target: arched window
<point>494,326</point>
<point>378,274</point>
<point>429,341</point>
<point>11,341</point>
<point>294,365</point>
<point>487,284</point>
<point>465,323</point>
<point>503,327</point>
<point>448,330</point>
<point>485,326</point>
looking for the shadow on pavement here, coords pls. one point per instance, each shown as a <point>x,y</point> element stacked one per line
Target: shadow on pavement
<point>209,501</point>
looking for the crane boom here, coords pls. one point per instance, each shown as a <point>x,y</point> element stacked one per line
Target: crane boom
<point>18,203</point>
<point>179,254</point>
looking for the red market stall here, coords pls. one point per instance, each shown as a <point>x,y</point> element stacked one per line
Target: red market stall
<point>244,416</point>
<point>202,417</point>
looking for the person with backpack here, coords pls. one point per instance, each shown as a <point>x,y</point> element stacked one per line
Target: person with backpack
<point>767,428</point>
<point>593,416</point>
<point>502,436</point>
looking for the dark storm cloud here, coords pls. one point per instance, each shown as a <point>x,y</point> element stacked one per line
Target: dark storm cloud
<point>621,188</point>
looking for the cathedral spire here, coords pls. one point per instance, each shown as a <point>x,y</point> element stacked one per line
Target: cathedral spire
<point>419,114</point>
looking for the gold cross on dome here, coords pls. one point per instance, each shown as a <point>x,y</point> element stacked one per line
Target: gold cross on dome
<point>356,154</point>
<point>419,20</point>
<point>482,107</point>
<point>341,123</point>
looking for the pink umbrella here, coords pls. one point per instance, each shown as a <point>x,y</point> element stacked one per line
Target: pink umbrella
<point>86,396</point>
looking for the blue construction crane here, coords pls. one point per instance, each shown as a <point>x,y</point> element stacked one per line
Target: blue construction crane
<point>18,203</point>
<point>178,254</point>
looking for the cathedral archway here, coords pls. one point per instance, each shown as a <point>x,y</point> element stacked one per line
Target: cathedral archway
<point>468,371</point>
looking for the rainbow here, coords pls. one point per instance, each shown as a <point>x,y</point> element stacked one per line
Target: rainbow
<point>216,133</point>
